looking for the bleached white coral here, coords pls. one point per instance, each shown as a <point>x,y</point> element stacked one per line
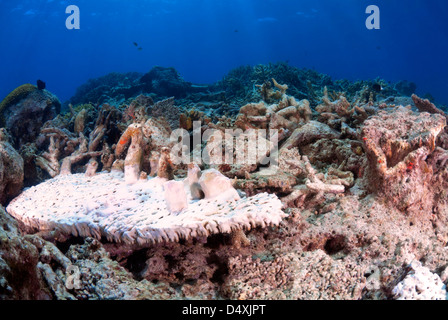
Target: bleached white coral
<point>420,284</point>
<point>105,206</point>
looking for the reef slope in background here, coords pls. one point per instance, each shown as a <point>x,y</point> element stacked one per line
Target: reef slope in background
<point>361,177</point>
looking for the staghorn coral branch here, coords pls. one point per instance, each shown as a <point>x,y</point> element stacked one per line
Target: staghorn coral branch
<point>49,160</point>
<point>80,154</point>
<point>315,185</point>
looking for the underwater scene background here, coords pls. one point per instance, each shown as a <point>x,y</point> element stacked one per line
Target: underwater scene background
<point>204,40</point>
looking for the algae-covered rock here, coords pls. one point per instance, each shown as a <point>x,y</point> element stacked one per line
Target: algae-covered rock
<point>25,110</point>
<point>165,82</point>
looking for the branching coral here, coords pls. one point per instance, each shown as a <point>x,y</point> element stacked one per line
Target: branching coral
<point>339,114</point>
<point>137,109</point>
<point>67,148</point>
<point>80,121</point>
<point>269,94</point>
<point>318,184</point>
<point>48,161</point>
<point>80,154</point>
<point>103,126</point>
<point>287,114</point>
<point>151,138</point>
<point>165,166</point>
<point>186,119</point>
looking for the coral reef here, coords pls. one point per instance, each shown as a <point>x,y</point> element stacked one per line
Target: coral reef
<point>344,196</point>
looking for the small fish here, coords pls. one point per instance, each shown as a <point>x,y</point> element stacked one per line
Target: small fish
<point>377,87</point>
<point>40,85</point>
<point>135,44</point>
<point>236,30</point>
<point>140,49</point>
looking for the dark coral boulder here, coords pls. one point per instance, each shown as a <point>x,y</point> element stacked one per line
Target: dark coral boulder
<point>25,110</point>
<point>166,82</point>
<point>112,86</point>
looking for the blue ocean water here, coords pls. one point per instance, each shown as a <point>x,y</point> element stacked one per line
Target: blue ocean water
<point>205,39</point>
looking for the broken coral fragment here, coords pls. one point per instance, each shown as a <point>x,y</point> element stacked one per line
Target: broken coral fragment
<point>175,196</point>
<point>420,284</point>
<point>105,206</point>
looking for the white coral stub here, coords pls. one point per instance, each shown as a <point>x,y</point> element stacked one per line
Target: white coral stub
<point>420,284</point>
